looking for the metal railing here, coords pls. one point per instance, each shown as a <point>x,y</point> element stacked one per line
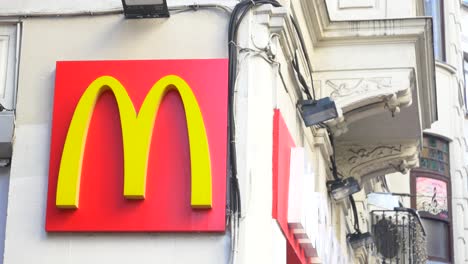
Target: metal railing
<point>399,237</point>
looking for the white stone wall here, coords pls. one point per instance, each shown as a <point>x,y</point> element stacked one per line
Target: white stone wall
<point>372,9</point>
<point>462,204</point>
<point>4,185</point>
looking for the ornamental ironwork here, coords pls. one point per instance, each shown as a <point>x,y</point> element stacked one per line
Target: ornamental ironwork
<point>399,236</point>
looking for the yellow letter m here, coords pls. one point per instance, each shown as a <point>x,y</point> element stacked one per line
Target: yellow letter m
<point>137,130</point>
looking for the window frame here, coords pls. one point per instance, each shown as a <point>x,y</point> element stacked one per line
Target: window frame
<point>420,172</point>
<point>9,60</point>
<point>442,31</point>
<point>415,173</point>
<point>465,79</point>
<point>449,246</point>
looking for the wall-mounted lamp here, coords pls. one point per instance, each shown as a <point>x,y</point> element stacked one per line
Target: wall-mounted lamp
<point>342,188</point>
<point>317,111</point>
<point>358,239</point>
<point>145,8</point>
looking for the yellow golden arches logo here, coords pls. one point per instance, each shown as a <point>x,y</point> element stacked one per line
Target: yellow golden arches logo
<point>137,130</point>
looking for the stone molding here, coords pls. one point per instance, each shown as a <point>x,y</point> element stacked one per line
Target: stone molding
<point>325,32</point>
<point>273,17</point>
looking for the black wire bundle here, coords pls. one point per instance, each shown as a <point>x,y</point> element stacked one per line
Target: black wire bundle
<point>357,229</point>
<point>295,63</point>
<point>238,14</point>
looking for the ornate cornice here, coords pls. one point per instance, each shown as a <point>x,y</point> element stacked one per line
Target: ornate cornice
<point>418,30</point>
<point>273,17</point>
<point>362,92</point>
<point>374,160</point>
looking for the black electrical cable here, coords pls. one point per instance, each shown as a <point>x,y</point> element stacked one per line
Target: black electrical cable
<point>238,14</point>
<point>333,168</point>
<point>335,173</point>
<point>336,177</point>
<point>235,205</point>
<point>355,214</point>
<point>300,77</point>
<point>306,55</point>
<point>333,156</point>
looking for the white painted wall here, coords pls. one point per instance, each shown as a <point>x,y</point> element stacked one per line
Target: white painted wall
<point>71,6</point>
<point>4,184</point>
<point>462,242</point>
<point>199,34</point>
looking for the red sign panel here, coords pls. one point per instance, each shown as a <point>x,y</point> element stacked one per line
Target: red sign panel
<point>282,144</point>
<point>90,131</point>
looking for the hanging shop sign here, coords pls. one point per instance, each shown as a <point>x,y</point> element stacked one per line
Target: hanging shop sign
<point>308,213</point>
<point>138,146</point>
<point>302,214</point>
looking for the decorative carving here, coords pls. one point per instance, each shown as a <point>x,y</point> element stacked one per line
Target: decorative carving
<point>375,160</point>
<point>375,92</point>
<point>348,87</point>
<point>362,154</point>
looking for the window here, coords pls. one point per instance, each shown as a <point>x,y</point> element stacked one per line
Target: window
<point>434,9</point>
<point>4,183</point>
<point>465,74</point>
<point>438,239</point>
<point>430,184</point>
<point>435,156</point>
<point>8,45</point>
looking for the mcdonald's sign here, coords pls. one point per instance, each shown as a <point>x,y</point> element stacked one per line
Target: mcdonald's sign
<point>138,146</point>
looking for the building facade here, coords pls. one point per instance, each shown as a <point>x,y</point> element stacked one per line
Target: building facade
<point>394,70</point>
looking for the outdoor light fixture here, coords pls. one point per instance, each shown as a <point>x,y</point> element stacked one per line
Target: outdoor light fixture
<point>145,8</point>
<point>317,111</point>
<point>358,239</point>
<point>342,188</point>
